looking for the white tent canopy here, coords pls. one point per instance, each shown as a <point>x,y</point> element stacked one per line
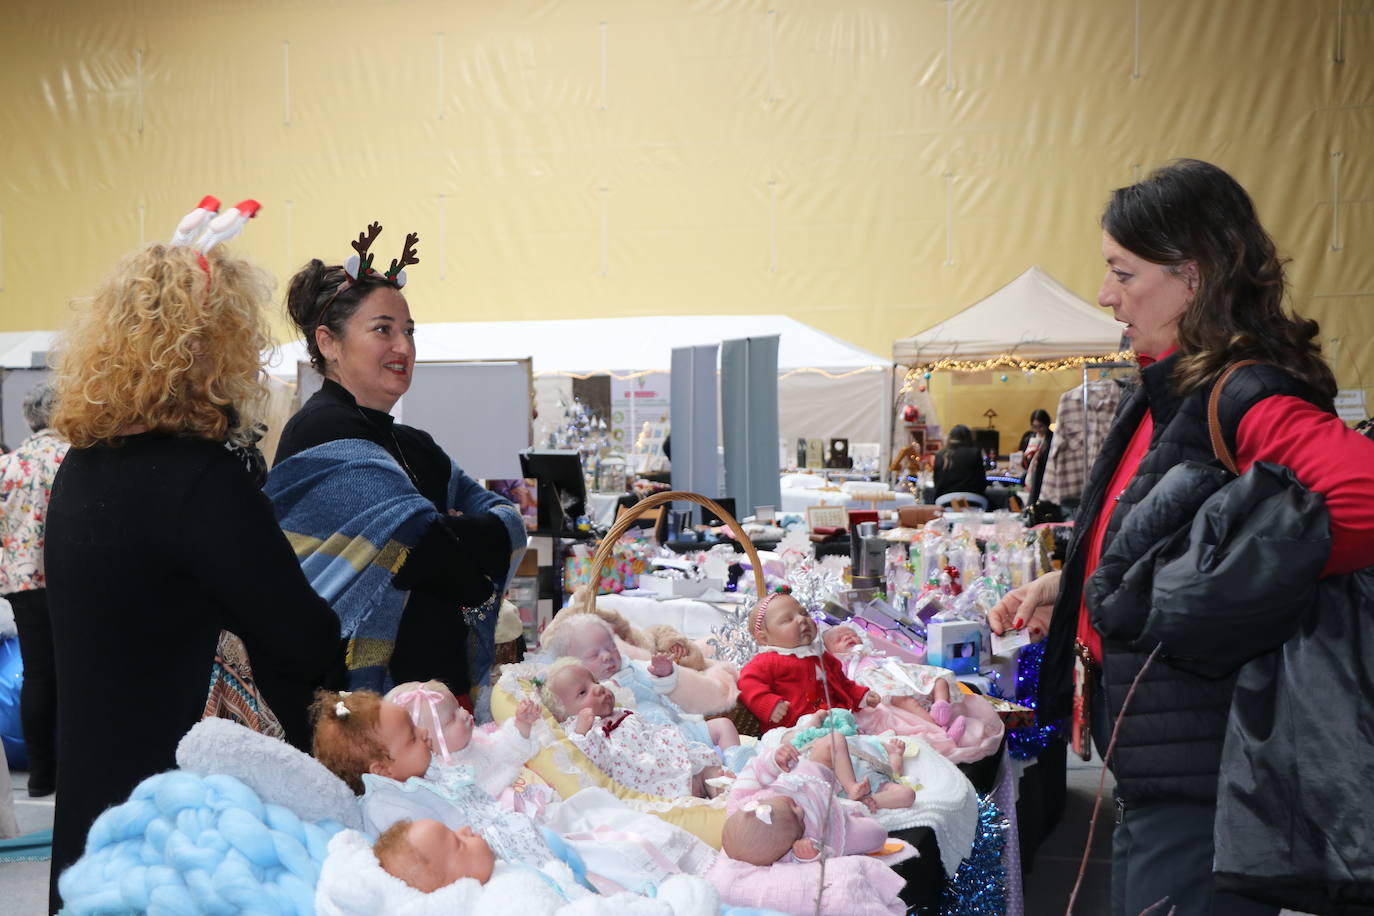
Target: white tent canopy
<point>18,348</point>
<point>1033,316</point>
<point>846,393</point>
<point>598,345</point>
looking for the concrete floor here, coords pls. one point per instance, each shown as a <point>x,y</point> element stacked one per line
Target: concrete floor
<point>24,885</point>
<point>1048,885</point>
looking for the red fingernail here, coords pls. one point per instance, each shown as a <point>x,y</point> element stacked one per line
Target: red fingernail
<point>1018,624</point>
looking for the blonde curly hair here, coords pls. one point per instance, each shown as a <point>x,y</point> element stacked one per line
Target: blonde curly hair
<point>165,345</point>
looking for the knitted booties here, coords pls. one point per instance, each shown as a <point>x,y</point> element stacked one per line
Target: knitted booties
<point>956,729</point>
<point>941,712</point>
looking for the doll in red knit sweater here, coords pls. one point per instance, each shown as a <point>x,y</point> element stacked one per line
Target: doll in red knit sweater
<point>783,682</point>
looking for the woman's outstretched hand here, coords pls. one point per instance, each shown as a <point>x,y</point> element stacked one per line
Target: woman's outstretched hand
<point>1028,607</point>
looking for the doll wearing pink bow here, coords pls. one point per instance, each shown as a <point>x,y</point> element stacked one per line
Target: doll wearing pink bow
<point>495,755</point>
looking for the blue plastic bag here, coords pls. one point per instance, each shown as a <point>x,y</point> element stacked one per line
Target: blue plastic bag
<point>11,726</point>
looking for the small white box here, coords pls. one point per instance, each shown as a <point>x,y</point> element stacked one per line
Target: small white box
<point>954,644</point>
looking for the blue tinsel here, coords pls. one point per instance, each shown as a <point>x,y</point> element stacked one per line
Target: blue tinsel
<point>1029,741</point>
<point>979,887</point>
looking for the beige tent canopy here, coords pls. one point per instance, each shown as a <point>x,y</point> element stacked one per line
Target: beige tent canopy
<point>1032,317</point>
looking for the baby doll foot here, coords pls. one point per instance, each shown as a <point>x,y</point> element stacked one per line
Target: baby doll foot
<point>956,729</point>
<point>940,712</point>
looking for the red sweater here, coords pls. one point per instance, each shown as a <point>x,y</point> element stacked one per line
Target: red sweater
<point>770,678</point>
<point>1326,455</point>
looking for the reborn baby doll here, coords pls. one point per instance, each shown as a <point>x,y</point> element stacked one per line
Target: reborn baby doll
<point>781,816</point>
<point>926,691</point>
<point>655,759</point>
<point>496,757</point>
<point>663,693</point>
<point>783,682</point>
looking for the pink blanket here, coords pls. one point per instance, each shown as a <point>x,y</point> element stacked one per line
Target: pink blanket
<point>854,886</point>
<point>982,735</point>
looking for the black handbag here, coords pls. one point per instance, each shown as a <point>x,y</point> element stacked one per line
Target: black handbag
<point>1295,797</point>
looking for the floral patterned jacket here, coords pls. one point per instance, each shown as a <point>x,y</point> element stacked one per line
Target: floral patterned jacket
<point>26,476</point>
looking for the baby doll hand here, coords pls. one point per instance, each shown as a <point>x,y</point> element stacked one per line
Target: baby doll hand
<point>786,757</point>
<point>805,848</point>
<point>871,698</point>
<point>895,746</point>
<point>526,714</point>
<point>584,721</point>
<point>779,712</point>
<point>660,665</point>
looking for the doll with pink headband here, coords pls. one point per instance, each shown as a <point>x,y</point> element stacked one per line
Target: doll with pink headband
<point>792,676</point>
<point>495,755</point>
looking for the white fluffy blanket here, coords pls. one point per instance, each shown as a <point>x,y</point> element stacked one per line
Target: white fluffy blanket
<point>352,883</point>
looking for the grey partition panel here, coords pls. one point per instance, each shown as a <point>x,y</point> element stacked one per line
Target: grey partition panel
<point>749,412</point>
<point>693,410</point>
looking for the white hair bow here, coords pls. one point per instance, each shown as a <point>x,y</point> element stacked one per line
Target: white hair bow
<point>341,710</point>
<point>760,809</point>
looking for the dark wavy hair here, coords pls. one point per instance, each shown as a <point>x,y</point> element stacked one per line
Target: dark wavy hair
<point>1194,211</point>
<point>959,436</point>
<point>311,302</point>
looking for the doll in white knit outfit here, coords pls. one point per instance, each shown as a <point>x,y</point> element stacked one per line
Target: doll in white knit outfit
<point>495,756</point>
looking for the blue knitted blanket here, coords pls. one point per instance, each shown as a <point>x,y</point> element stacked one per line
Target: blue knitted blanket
<point>189,844</point>
<point>352,515</point>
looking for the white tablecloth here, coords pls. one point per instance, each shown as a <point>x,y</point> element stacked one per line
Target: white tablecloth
<point>796,499</point>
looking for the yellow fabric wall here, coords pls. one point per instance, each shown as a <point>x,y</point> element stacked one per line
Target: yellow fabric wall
<point>865,166</point>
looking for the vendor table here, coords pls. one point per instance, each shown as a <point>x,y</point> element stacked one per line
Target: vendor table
<point>795,499</point>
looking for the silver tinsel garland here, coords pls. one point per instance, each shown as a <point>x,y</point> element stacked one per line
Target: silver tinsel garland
<point>813,584</point>
<point>734,639</point>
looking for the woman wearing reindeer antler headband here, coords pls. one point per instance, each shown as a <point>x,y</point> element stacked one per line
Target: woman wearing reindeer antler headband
<point>419,600</point>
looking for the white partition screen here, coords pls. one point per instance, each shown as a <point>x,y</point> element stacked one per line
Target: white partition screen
<point>478,412</point>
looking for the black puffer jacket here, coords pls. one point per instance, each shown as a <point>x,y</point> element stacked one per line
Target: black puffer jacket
<point>1228,572</point>
<point>1169,745</point>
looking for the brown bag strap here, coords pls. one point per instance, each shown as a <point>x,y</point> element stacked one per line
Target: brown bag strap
<point>1219,447</point>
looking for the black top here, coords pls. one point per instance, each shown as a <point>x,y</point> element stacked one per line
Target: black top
<point>960,470</point>
<point>154,546</point>
<point>457,558</point>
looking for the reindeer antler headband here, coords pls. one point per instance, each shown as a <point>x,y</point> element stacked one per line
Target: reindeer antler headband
<point>359,266</point>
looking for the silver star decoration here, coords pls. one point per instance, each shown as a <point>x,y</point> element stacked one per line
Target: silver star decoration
<point>733,640</point>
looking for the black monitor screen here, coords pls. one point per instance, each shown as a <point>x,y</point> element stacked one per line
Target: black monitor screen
<point>562,489</point>
<point>987,440</point>
<point>710,518</point>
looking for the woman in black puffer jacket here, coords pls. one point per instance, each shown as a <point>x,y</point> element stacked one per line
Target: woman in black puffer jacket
<point>1196,280</point>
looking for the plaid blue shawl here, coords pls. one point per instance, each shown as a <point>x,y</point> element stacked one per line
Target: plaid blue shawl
<point>353,516</point>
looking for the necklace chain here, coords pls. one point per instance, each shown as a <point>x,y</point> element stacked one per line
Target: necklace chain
<point>400,453</point>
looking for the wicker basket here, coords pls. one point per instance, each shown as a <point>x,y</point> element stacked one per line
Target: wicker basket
<point>585,597</point>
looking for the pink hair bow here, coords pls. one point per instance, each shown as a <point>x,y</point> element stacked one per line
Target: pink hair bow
<point>410,701</point>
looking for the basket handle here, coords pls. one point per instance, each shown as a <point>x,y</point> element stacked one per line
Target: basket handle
<point>585,596</point>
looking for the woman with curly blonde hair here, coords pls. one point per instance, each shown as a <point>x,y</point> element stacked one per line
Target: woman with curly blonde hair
<point>157,536</point>
<point>162,348</point>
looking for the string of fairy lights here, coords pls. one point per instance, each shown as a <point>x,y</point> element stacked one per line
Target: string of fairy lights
<point>918,375</point>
